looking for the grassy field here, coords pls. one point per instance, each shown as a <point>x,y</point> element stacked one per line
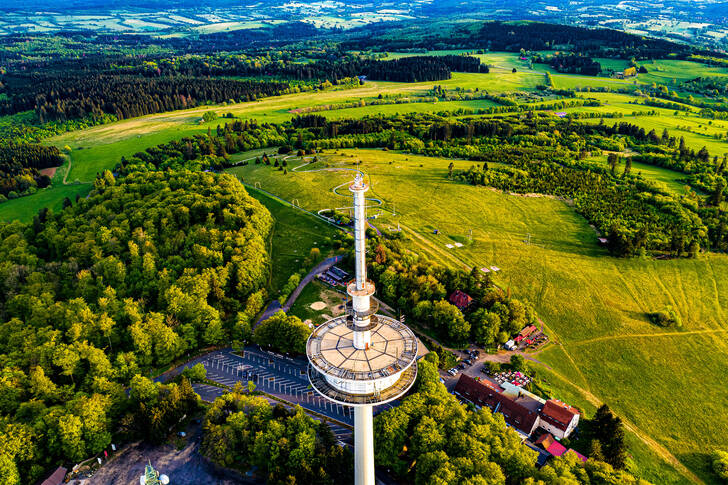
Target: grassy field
<point>24,208</point>
<point>317,292</point>
<point>101,147</point>
<point>295,233</point>
<point>595,306</point>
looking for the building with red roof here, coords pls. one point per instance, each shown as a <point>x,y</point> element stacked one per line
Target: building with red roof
<point>485,394</point>
<point>559,418</point>
<point>556,449</point>
<point>56,478</point>
<point>519,410</point>
<point>460,299</point>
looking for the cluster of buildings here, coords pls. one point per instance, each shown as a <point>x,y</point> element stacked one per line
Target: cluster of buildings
<point>541,423</point>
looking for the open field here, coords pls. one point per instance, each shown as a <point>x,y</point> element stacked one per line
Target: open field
<point>294,234</point>
<point>594,305</point>
<point>24,208</point>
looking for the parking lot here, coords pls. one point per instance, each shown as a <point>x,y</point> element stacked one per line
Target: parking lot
<point>282,377</point>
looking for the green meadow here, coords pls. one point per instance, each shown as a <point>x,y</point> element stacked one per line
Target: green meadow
<point>24,208</point>
<point>295,233</point>
<point>595,306</point>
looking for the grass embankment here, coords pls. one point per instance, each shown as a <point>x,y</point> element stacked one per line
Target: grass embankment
<point>295,233</point>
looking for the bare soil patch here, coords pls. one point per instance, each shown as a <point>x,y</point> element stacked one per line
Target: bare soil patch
<point>49,171</point>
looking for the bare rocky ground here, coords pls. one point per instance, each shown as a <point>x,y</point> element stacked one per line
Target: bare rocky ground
<point>183,466</point>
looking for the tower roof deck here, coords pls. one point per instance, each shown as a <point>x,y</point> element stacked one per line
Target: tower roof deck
<point>331,350</point>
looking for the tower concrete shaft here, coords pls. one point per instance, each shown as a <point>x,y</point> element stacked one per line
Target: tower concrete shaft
<point>363,445</point>
<point>362,289</point>
<point>360,359</point>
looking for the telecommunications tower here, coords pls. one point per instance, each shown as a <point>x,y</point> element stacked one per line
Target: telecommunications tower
<point>362,359</point>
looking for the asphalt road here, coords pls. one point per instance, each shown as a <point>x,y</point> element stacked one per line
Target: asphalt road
<point>279,376</point>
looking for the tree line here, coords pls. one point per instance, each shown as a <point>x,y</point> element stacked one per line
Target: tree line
<point>59,97</point>
<point>19,165</point>
<point>243,431</point>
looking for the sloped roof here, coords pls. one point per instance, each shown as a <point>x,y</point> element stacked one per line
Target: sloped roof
<point>556,449</point>
<point>545,440</point>
<point>558,413</point>
<point>460,299</point>
<point>515,414</point>
<point>56,478</point>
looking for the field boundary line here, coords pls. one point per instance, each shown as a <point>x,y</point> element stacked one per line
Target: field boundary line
<point>649,335</point>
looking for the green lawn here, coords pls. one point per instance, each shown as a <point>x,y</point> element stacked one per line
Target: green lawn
<point>594,305</point>
<point>315,292</point>
<point>24,208</point>
<point>295,233</point>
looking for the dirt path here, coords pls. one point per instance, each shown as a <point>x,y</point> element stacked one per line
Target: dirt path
<point>648,335</point>
<point>660,450</point>
<point>65,175</point>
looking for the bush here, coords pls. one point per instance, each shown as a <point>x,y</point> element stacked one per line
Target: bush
<point>285,149</point>
<point>209,116</point>
<point>518,363</point>
<point>196,373</point>
<point>290,285</point>
<point>720,464</point>
<point>666,318</point>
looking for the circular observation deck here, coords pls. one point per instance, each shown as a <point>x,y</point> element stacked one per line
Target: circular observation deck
<point>358,377</point>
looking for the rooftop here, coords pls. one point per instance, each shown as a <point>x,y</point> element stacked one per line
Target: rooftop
<point>559,411</point>
<point>331,349</point>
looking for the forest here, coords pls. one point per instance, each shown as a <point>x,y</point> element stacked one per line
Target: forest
<point>148,268</point>
<point>19,165</point>
<point>542,154</point>
<point>66,97</point>
<point>514,36</point>
<point>243,431</point>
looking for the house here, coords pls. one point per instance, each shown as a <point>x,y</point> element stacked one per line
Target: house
<point>527,331</point>
<point>559,418</point>
<point>486,394</point>
<point>510,345</point>
<point>460,299</point>
<point>56,478</point>
<point>522,410</point>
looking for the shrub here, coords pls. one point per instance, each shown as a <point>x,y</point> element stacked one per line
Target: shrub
<point>666,318</point>
<point>196,373</point>
<point>720,464</point>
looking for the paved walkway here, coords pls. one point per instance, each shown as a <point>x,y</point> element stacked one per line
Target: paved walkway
<point>275,306</point>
